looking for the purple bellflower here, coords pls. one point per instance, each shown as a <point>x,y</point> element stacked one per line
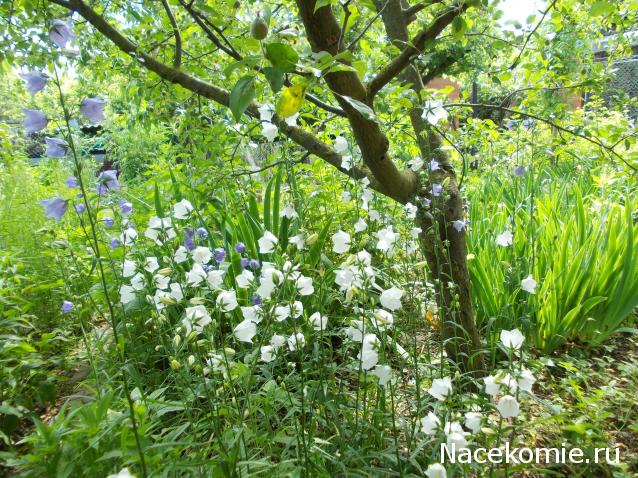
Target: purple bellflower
<point>93,109</point>
<point>61,33</point>
<point>55,207</point>
<point>56,147</point>
<point>35,80</point>
<point>34,120</point>
<point>67,306</point>
<point>107,180</point>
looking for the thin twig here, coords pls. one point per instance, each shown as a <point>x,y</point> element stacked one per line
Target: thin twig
<point>346,17</point>
<point>591,139</point>
<point>520,53</point>
<point>177,60</point>
<point>367,27</point>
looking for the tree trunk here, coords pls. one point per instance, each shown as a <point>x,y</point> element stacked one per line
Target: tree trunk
<point>444,247</point>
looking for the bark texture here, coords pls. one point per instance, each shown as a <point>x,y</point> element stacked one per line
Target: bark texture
<point>444,247</point>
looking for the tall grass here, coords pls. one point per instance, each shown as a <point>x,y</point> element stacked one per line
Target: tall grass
<point>581,250</point>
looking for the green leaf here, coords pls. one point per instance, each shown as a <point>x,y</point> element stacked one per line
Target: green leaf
<point>601,7</point>
<point>158,202</point>
<point>241,96</point>
<point>176,190</point>
<point>282,56</point>
<point>362,108</point>
<point>459,27</point>
<point>275,77</point>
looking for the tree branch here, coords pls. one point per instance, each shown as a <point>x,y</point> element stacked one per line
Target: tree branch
<point>540,22</point>
<point>414,49</point>
<point>300,136</point>
<point>410,13</point>
<point>233,53</point>
<point>590,139</point>
<point>177,60</point>
<point>323,32</point>
<point>367,27</point>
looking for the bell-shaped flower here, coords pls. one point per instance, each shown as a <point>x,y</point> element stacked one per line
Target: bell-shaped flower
<point>526,380</point>
<point>182,209</point>
<point>151,264</point>
<point>199,315</point>
<point>341,145</point>
<point>436,470</point>
<point>181,255</point>
<point>55,207</point>
<point>269,131</point>
<point>473,421</point>
<point>492,387</point>
<point>196,275</point>
<point>289,212</point>
<point>410,210</point>
<point>215,278</point>
<point>125,207</point>
<point>73,182</point>
<point>56,147</point>
<point>529,284</point>
<point>61,32</point>
<point>296,341</point>
<point>252,313</point>
<point>369,355</point>
<point>360,225</point>
<point>93,109</point>
<point>430,424</point>
<point>245,331</point>
<point>202,255</point>
<point>266,112</point>
<point>128,236</point>
<point>382,319</point>
<point>34,120</point>
<point>459,225</point>
<point>304,285</point>
<point>107,181</point>
<point>244,279</point>
<point>505,239</point>
<point>267,353</point>
<point>455,435</point>
<point>434,112</point>
<point>512,339</point>
<point>416,164</point>
<point>298,241</point>
<point>441,388</point>
<point>391,298</point>
<point>160,230</point>
<point>123,473</point>
<point>386,239</point>
<point>267,243</point>
<point>318,321</point>
<point>227,300</point>
<point>383,373</point>
<point>128,268</point>
<point>35,81</point>
<point>127,294</point>
<point>508,407</point>
<point>341,242</point>
<point>219,254</point>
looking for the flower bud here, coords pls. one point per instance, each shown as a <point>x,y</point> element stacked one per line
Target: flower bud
<point>310,240</point>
